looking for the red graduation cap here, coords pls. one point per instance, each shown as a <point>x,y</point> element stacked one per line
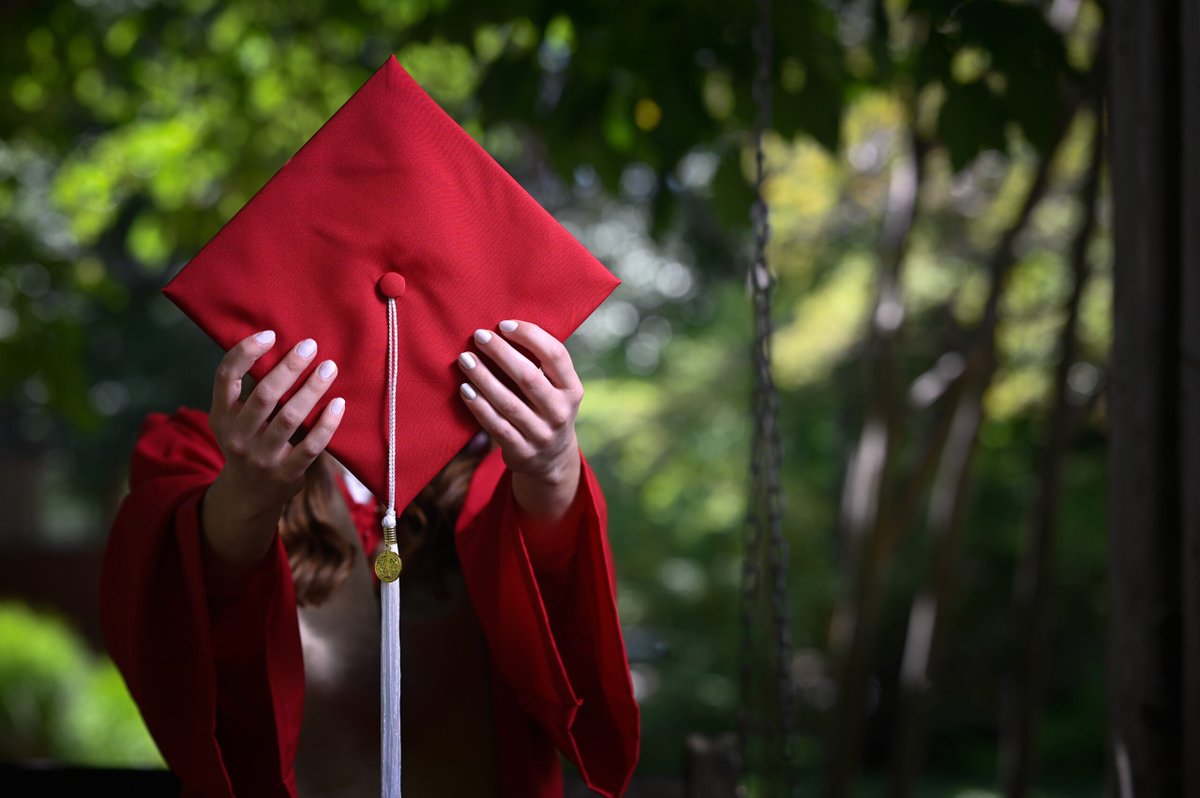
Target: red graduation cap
<point>390,197</point>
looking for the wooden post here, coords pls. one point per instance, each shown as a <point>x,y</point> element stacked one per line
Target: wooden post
<point>1189,363</point>
<point>711,767</point>
<point>1151,402</point>
<point>22,466</point>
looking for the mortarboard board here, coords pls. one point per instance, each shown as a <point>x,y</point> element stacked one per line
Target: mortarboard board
<point>390,200</point>
<point>390,195</point>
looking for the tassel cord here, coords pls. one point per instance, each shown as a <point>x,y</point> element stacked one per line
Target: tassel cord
<point>389,670</point>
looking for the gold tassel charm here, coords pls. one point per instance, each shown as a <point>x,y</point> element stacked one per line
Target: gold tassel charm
<point>388,564</point>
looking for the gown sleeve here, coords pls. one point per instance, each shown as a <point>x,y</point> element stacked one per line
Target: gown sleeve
<point>551,624</point>
<point>225,715</point>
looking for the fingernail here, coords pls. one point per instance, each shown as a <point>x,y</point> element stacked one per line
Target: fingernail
<point>508,325</point>
<point>483,336</point>
<point>265,337</point>
<point>306,348</point>
<point>467,361</point>
<point>467,391</point>
<point>327,369</point>
<point>337,406</point>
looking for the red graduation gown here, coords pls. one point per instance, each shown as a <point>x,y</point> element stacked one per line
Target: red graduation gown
<point>221,686</point>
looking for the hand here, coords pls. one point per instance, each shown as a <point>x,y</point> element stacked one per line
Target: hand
<point>535,428</point>
<point>262,468</point>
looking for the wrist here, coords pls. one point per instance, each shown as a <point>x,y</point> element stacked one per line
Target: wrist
<point>548,493</point>
<point>549,511</point>
<point>560,471</point>
<point>241,504</point>
<point>236,527</point>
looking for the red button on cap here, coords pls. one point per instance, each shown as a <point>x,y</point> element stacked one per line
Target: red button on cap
<point>391,285</point>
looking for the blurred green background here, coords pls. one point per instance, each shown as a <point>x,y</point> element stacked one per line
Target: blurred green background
<point>940,238</point>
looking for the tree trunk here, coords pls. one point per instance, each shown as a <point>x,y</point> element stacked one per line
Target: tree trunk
<point>947,503</point>
<point>869,532</point>
<point>1035,571</point>
<point>947,499</point>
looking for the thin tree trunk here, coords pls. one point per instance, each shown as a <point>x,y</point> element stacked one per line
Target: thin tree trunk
<point>948,499</point>
<point>868,532</point>
<point>1035,573</point>
<point>946,504</point>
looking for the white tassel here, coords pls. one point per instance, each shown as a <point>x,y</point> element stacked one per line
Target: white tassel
<point>389,670</point>
<point>387,568</point>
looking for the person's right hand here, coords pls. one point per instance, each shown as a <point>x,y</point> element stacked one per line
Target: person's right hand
<point>262,468</point>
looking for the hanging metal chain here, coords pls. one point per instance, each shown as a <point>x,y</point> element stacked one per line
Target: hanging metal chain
<point>764,543</point>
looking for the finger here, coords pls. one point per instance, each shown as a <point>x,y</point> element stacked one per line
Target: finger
<point>527,376</point>
<point>507,404</point>
<point>306,451</point>
<point>497,426</point>
<point>551,354</point>
<point>266,395</point>
<point>227,385</point>
<point>292,415</point>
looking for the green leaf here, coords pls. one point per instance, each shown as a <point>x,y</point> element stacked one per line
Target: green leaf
<point>971,120</point>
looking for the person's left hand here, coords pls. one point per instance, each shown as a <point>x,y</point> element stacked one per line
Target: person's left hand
<point>535,426</point>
